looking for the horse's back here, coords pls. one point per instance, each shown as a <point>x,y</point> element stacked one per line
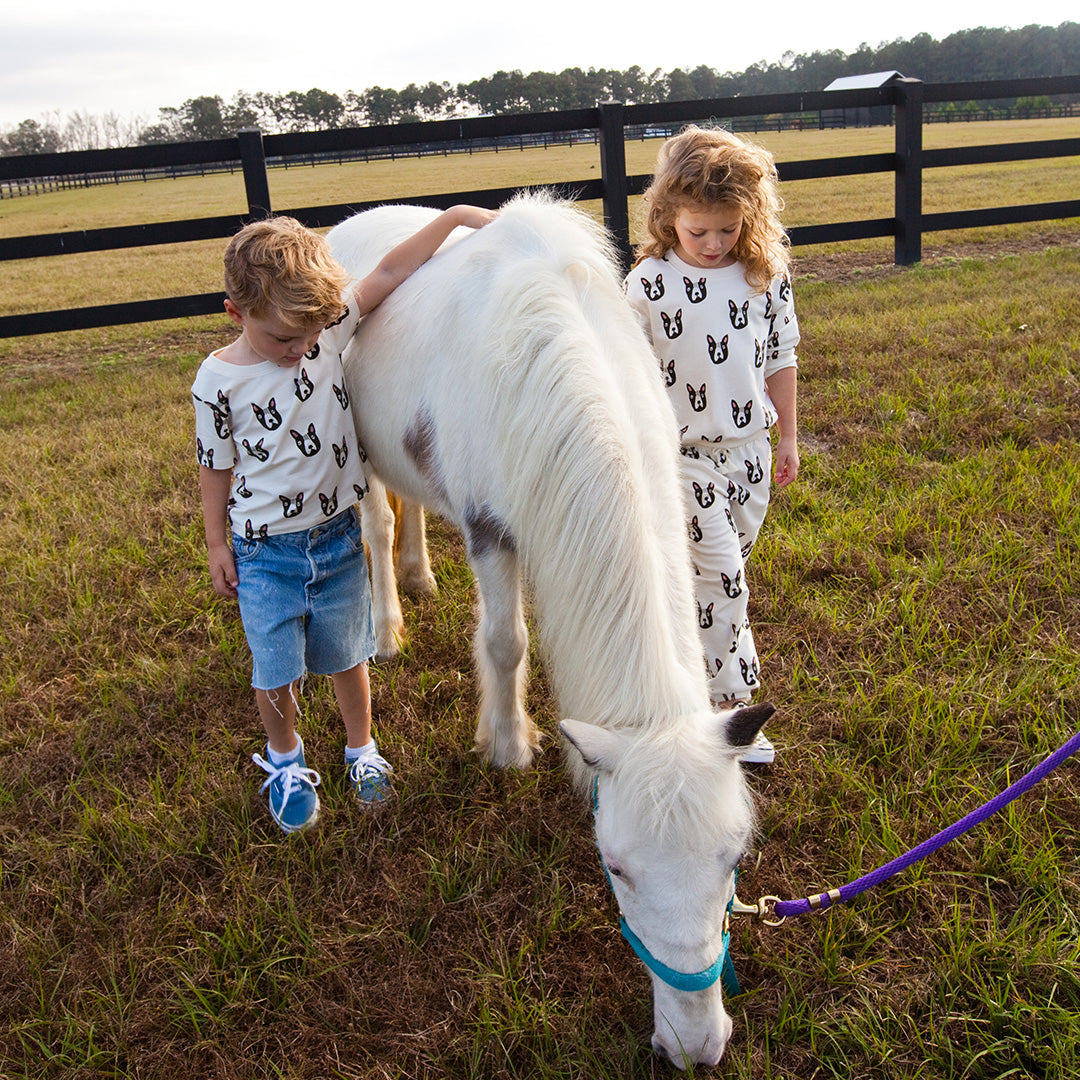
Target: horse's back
<point>470,346</point>
<point>359,242</point>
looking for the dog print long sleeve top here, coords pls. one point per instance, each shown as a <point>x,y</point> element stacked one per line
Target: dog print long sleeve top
<point>286,432</point>
<point>717,342</point>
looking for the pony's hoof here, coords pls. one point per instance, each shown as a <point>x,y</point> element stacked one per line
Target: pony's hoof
<point>418,582</point>
<point>388,644</point>
<point>521,756</point>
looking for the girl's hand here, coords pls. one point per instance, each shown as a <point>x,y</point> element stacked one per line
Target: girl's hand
<point>786,460</point>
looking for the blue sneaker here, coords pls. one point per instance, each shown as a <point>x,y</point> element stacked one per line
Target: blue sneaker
<point>370,780</point>
<point>293,801</point>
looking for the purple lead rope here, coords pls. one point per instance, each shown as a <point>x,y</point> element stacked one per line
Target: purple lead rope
<point>786,909</point>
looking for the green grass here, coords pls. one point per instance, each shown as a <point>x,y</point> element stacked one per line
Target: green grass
<point>915,600</point>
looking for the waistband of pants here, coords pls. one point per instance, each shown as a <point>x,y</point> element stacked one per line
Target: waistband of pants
<point>347,519</point>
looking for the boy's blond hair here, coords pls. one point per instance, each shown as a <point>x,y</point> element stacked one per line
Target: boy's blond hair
<point>276,265</point>
<point>712,166</point>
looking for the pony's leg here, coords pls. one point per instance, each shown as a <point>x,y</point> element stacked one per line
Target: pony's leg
<point>377,524</point>
<point>505,735</point>
<point>410,548</point>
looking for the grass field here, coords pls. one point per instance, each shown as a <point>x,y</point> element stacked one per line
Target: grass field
<point>916,600</point>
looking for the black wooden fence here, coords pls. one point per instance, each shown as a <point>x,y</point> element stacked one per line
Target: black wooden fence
<point>607,123</point>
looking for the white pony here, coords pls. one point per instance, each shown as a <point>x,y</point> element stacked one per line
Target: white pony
<point>507,386</point>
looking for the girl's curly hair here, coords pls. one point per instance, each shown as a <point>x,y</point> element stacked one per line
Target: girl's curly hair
<point>707,166</point>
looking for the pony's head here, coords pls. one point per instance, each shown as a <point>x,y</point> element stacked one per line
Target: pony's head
<point>672,821</point>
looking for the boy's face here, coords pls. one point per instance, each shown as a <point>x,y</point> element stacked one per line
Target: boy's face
<point>270,337</point>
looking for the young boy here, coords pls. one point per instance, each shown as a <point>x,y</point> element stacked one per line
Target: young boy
<point>280,468</point>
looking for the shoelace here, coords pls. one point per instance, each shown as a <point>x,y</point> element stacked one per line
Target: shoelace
<point>293,774</point>
<point>370,765</point>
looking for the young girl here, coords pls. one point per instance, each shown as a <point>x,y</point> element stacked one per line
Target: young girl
<point>711,286</point>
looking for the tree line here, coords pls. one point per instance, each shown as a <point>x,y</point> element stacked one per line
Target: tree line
<point>967,55</point>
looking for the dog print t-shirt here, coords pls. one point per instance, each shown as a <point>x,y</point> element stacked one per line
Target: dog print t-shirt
<point>287,434</point>
<point>717,342</point>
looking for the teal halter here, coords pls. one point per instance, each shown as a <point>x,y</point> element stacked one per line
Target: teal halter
<point>722,968</point>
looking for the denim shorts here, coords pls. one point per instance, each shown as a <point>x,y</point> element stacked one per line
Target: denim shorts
<point>305,601</point>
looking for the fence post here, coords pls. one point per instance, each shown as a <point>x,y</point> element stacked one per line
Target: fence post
<point>907,246</point>
<point>256,182</point>
<point>613,176</point>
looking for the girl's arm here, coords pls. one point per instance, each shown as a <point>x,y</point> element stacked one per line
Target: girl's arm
<point>781,386</point>
<point>215,486</point>
<point>411,254</point>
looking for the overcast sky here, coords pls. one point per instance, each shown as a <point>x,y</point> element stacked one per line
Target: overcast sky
<point>63,56</point>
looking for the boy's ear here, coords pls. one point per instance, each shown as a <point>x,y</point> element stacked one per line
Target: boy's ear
<point>234,313</point>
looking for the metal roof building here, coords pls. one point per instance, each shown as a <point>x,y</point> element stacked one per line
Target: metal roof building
<point>864,82</point>
<point>863,115</point>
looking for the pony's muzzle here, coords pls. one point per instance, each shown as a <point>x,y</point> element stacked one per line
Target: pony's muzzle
<point>684,1055</point>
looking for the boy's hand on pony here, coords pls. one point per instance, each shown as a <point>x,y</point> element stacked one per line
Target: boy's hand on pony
<point>411,254</point>
<point>473,217</point>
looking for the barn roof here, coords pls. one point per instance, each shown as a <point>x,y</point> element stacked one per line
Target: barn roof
<point>864,82</point>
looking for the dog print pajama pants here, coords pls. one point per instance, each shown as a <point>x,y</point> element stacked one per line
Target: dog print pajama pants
<point>727,495</point>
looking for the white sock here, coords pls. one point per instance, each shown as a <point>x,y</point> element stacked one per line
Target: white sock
<point>284,759</point>
<point>355,753</point>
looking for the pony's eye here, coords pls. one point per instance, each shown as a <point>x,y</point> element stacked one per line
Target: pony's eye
<point>614,871</point>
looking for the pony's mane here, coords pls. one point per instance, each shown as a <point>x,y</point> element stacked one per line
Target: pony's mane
<point>708,804</point>
<point>600,528</point>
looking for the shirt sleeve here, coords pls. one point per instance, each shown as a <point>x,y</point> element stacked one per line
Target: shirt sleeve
<point>213,423</point>
<point>784,335</point>
<point>336,336</point>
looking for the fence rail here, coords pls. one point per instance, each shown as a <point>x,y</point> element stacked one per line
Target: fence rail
<point>821,120</point>
<point>609,124</point>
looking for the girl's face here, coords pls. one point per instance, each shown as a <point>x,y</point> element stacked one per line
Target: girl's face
<point>705,235</point>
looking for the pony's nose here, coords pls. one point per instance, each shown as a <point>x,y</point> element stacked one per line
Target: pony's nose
<point>677,1057</point>
<point>661,1051</point>
<point>683,1058</point>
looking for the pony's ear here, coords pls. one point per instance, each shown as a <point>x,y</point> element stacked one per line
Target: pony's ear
<point>599,748</point>
<point>741,725</point>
